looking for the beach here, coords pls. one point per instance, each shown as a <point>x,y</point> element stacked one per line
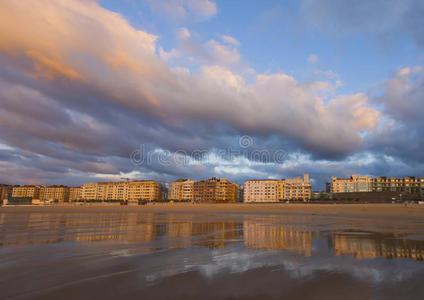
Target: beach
<point>387,211</point>
<point>212,251</point>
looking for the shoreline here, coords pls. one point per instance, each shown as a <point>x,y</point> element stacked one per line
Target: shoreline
<point>369,210</point>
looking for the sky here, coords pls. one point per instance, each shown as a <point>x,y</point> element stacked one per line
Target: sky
<point>164,89</point>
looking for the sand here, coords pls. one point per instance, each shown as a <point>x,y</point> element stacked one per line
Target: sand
<point>212,251</point>
<point>410,211</point>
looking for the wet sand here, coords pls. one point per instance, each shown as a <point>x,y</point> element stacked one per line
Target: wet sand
<point>386,211</point>
<point>202,251</point>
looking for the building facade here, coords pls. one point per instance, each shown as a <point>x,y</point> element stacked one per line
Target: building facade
<point>26,191</point>
<point>131,191</point>
<point>181,190</point>
<point>410,185</point>
<point>5,192</point>
<point>355,183</point>
<point>75,194</point>
<point>262,190</point>
<point>215,190</point>
<point>298,188</point>
<point>142,190</point>
<point>56,193</point>
<point>273,190</point>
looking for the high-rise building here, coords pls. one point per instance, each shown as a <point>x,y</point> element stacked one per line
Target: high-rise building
<point>26,191</point>
<point>298,188</point>
<point>89,191</point>
<point>75,194</point>
<point>131,191</point>
<point>273,190</point>
<point>5,192</point>
<point>262,190</point>
<point>142,190</point>
<point>216,190</point>
<point>55,193</point>
<point>355,183</point>
<point>182,190</point>
<point>410,185</point>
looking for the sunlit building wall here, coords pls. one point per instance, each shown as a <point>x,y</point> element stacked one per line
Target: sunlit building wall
<point>272,190</point>
<point>26,191</point>
<point>57,193</point>
<point>182,190</point>
<point>219,190</point>
<point>262,190</point>
<point>298,188</point>
<point>350,185</point>
<point>89,191</point>
<point>142,190</point>
<point>132,191</point>
<point>357,183</point>
<point>75,194</point>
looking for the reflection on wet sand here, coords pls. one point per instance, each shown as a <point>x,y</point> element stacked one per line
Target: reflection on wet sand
<point>183,231</point>
<point>376,245</point>
<point>273,237</point>
<point>194,256</point>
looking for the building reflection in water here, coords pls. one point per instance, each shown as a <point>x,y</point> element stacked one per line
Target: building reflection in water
<point>155,231</point>
<point>274,237</point>
<point>376,245</point>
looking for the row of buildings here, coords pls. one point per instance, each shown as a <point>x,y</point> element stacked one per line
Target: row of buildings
<point>218,190</point>
<point>132,191</point>
<point>259,190</point>
<point>357,184</point>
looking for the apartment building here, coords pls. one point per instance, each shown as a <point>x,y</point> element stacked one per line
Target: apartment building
<point>108,191</point>
<point>355,183</point>
<point>148,190</point>
<point>55,193</point>
<point>273,190</point>
<point>89,191</point>
<point>410,185</point>
<point>5,191</point>
<point>182,190</point>
<point>132,191</point>
<point>262,190</point>
<point>297,188</point>
<point>75,194</point>
<point>217,190</point>
<point>26,191</point>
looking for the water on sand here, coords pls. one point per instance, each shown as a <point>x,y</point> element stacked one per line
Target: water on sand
<point>115,254</point>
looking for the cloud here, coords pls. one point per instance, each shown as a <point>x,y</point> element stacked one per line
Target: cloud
<point>230,40</point>
<point>313,58</point>
<point>81,104</point>
<point>399,135</point>
<point>182,10</point>
<point>209,53</point>
<point>222,54</point>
